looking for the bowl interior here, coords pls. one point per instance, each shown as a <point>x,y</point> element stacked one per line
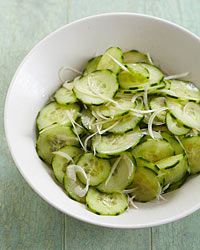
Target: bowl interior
<point>172,48</point>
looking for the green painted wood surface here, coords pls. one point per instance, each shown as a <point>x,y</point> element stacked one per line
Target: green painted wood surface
<point>26,221</point>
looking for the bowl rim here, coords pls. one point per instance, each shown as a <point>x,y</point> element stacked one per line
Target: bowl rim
<point>9,143</point>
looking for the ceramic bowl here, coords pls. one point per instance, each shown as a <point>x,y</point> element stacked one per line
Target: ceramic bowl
<point>172,47</point>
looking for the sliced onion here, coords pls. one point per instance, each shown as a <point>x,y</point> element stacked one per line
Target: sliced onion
<point>64,155</point>
<point>75,130</point>
<point>177,76</point>
<point>149,59</point>
<point>88,138</point>
<point>151,119</point>
<point>71,172</point>
<point>114,166</point>
<point>145,97</point>
<point>67,68</point>
<point>118,63</point>
<point>109,128</point>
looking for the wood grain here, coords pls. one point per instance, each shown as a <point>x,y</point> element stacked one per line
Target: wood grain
<point>80,235</point>
<point>26,221</point>
<point>180,235</point>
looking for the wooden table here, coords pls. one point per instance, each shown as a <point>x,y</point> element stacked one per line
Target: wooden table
<point>26,221</point>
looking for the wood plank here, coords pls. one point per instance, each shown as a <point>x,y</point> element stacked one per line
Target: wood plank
<point>168,9</point>
<point>180,235</point>
<point>80,235</point>
<point>27,222</point>
<point>160,8</point>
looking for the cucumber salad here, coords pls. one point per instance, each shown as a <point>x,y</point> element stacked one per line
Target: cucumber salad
<point>121,131</point>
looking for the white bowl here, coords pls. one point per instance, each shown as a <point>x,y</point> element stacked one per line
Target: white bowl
<point>173,48</point>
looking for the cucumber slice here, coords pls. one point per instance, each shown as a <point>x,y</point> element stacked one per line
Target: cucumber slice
<point>111,110</point>
<point>104,156</point>
<point>123,123</point>
<point>53,139</point>
<point>92,65</point>
<point>79,129</point>
<point>152,89</point>
<point>134,56</point>
<point>169,162</point>
<point>56,113</point>
<point>177,184</point>
<point>115,144</point>
<point>174,143</point>
<point>60,163</point>
<point>65,96</point>
<point>192,147</point>
<point>147,164</point>
<point>146,185</point>
<point>160,128</point>
<point>157,103</point>
<point>175,127</point>
<point>96,169</point>
<point>136,76</point>
<point>96,87</point>
<point>106,204</point>
<point>188,114</point>
<point>155,74</point>
<point>155,77</point>
<point>183,90</point>
<point>173,174</point>
<point>153,150</point>
<point>106,61</point>
<point>122,176</point>
<point>88,120</point>
<point>70,186</point>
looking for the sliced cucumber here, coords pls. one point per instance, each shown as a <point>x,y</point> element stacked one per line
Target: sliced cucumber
<point>104,156</point>
<point>111,110</point>
<point>146,185</point>
<point>70,186</point>
<point>121,177</point>
<point>65,96</point>
<point>134,56</point>
<point>53,139</point>
<point>153,150</point>
<point>174,143</point>
<point>183,90</point>
<point>115,144</point>
<point>106,204</point>
<point>176,127</point>
<point>59,163</point>
<point>155,74</point>
<point>96,169</point>
<point>123,123</point>
<point>92,65</point>
<point>169,162</point>
<point>79,129</point>
<point>192,147</point>
<point>173,174</point>
<point>177,184</point>
<point>88,120</point>
<point>188,114</point>
<point>147,164</point>
<point>96,87</point>
<point>55,113</point>
<point>107,62</point>
<point>160,128</point>
<point>157,103</point>
<point>136,76</point>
